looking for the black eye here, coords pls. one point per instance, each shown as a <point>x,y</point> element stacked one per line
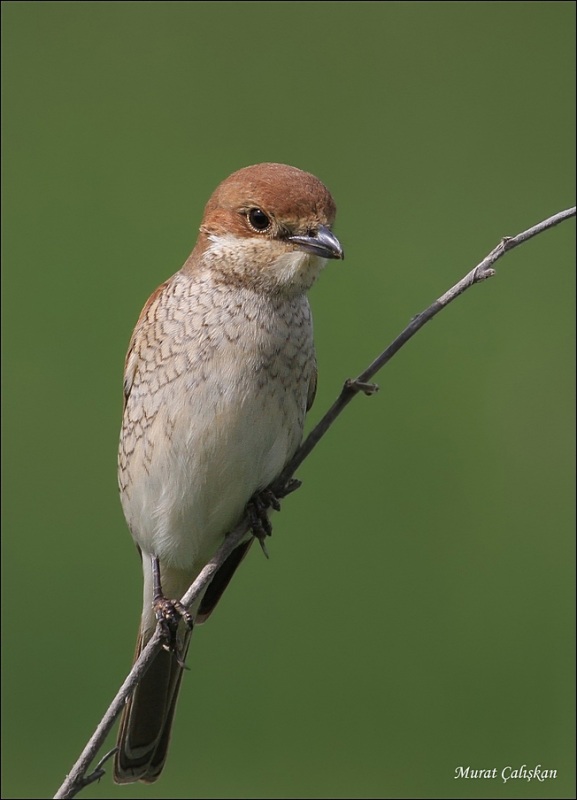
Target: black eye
<point>258,220</point>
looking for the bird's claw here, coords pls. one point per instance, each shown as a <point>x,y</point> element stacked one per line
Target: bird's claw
<point>168,614</point>
<point>258,506</point>
<point>257,509</point>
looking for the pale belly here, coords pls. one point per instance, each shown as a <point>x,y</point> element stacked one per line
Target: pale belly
<point>205,452</point>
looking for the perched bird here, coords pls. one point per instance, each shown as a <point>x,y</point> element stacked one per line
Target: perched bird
<point>219,375</point>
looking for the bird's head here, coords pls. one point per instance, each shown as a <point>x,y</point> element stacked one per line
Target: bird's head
<point>268,227</point>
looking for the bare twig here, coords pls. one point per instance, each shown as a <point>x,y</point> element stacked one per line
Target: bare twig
<point>76,780</point>
<point>480,273</point>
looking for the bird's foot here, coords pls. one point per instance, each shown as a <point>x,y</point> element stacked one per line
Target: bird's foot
<point>257,510</point>
<point>168,614</point>
<point>259,505</point>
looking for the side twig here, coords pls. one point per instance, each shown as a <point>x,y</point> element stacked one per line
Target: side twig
<point>77,779</point>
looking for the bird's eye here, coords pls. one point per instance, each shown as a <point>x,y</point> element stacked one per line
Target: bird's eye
<point>258,220</point>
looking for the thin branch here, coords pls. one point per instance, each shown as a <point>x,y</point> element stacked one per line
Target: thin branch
<point>76,780</point>
<point>481,272</point>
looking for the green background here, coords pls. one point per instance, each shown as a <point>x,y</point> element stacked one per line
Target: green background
<point>416,614</point>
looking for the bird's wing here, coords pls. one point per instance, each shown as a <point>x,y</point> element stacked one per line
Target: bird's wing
<point>221,580</point>
<point>312,386</point>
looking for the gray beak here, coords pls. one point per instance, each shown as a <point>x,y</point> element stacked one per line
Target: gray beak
<point>321,242</point>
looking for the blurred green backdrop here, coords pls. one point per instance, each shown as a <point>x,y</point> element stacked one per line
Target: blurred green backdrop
<point>416,614</point>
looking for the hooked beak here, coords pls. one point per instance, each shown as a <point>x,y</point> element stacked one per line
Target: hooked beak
<point>321,242</point>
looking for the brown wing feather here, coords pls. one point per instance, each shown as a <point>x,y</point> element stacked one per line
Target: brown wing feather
<point>220,581</point>
<point>312,387</point>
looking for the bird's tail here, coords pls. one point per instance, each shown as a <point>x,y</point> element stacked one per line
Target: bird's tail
<point>144,732</point>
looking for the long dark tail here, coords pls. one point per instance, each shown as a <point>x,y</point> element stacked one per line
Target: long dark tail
<point>146,721</point>
<point>144,732</point>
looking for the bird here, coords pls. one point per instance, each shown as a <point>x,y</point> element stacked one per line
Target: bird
<point>219,375</point>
